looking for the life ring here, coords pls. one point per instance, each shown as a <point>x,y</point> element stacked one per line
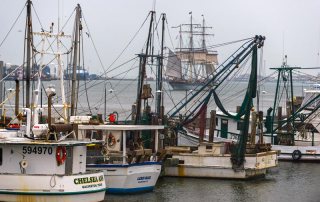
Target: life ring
<point>296,155</point>
<point>61,155</point>
<point>111,140</point>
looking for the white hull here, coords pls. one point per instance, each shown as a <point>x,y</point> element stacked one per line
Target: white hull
<point>138,177</point>
<point>308,152</point>
<point>53,198</point>
<point>78,187</point>
<point>220,166</point>
<point>212,172</point>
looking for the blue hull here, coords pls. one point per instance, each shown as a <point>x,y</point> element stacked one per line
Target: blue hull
<point>129,191</point>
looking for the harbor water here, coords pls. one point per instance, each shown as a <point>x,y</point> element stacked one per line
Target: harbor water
<point>293,182</point>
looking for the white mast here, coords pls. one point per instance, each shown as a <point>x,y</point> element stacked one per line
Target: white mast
<point>37,91</point>
<point>57,54</point>
<point>61,69</point>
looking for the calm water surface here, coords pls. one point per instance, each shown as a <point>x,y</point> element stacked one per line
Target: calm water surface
<point>292,182</point>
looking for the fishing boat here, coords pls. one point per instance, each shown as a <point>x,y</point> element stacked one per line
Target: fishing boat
<point>130,156</point>
<point>297,136</point>
<point>47,171</point>
<point>44,162</point>
<point>240,159</point>
<point>189,66</point>
<point>47,168</point>
<point>212,160</point>
<point>127,168</point>
<point>300,144</point>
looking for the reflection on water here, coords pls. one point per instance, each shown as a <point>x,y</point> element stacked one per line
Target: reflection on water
<point>292,182</point>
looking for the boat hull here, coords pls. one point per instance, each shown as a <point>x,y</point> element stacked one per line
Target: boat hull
<point>183,85</point>
<point>212,172</point>
<point>129,178</point>
<point>220,166</point>
<point>291,153</point>
<point>52,188</point>
<point>308,152</point>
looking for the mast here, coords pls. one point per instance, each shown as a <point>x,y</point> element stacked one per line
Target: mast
<point>29,41</point>
<point>285,74</point>
<point>159,72</point>
<point>37,91</point>
<point>60,68</point>
<point>191,65</point>
<point>203,35</point>
<point>142,72</point>
<point>75,59</point>
<point>186,54</point>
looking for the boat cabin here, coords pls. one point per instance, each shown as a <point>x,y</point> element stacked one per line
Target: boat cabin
<point>25,156</point>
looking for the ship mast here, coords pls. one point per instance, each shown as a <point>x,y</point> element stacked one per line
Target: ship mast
<point>75,59</point>
<point>159,90</point>
<point>204,48</point>
<point>29,52</point>
<point>60,68</point>
<point>191,51</point>
<point>186,54</point>
<point>142,72</point>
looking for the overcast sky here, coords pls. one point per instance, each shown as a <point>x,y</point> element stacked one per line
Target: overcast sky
<point>291,27</point>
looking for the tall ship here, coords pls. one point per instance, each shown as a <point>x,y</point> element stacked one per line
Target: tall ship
<point>191,63</point>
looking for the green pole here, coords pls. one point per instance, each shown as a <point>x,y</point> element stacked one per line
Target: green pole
<point>274,106</point>
<point>292,107</point>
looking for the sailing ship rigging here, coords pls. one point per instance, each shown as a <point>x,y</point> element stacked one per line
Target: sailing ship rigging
<point>191,64</point>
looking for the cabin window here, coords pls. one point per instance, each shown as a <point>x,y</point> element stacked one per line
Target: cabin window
<point>217,122</point>
<point>0,156</point>
<point>224,122</point>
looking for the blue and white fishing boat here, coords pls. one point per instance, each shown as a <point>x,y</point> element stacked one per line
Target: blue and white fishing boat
<point>127,168</point>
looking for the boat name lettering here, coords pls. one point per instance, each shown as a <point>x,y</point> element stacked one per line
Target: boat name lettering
<point>91,186</point>
<point>87,180</point>
<point>144,178</point>
<point>36,150</point>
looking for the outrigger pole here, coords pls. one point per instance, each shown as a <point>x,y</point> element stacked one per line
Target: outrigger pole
<point>142,72</point>
<point>29,51</point>
<point>75,59</point>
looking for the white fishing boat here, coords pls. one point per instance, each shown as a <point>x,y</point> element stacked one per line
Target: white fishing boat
<point>306,145</point>
<point>306,148</point>
<point>44,162</point>
<point>126,169</point>
<point>240,159</point>
<point>306,141</point>
<point>212,160</point>
<point>35,169</point>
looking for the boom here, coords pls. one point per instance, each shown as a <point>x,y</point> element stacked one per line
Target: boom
<point>203,93</point>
